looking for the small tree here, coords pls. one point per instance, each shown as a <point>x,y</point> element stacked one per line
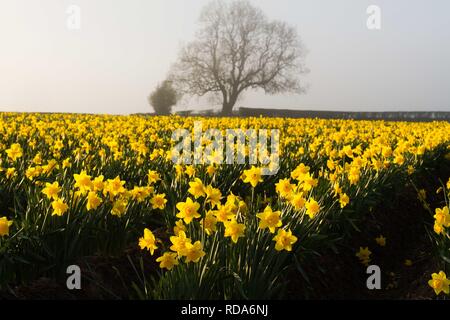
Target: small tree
<point>163,98</point>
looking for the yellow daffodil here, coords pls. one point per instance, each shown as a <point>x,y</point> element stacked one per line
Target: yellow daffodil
<point>179,226</point>
<point>193,252</point>
<point>10,172</point>
<point>234,230</point>
<point>344,200</point>
<point>442,217</point>
<point>148,241</point>
<point>159,201</point>
<point>114,187</point>
<point>381,241</point>
<point>284,188</point>
<point>297,201</point>
<point>213,196</point>
<point>197,189</point>
<point>83,182</point>
<point>253,176</point>
<point>190,171</point>
<point>98,183</point>
<point>59,207</point>
<point>188,210</point>
<point>224,213</point>
<point>168,260</point>
<point>153,177</point>
<point>269,219</point>
<point>14,152</point>
<point>119,207</point>
<point>93,201</point>
<point>299,172</point>
<point>52,190</point>
<point>179,243</point>
<point>364,255</point>
<point>312,208</point>
<point>209,223</point>
<point>284,240</point>
<point>439,283</point>
<point>211,170</point>
<point>4,226</point>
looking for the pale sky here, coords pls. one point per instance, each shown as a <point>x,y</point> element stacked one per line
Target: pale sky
<point>125,47</point>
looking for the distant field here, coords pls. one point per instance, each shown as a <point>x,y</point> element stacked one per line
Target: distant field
<point>405,116</point>
<point>286,113</point>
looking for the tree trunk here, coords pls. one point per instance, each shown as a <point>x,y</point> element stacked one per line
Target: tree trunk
<point>227,107</point>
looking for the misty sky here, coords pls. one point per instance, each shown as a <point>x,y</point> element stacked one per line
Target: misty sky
<point>125,47</point>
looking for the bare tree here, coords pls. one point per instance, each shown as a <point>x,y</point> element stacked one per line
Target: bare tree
<point>238,48</point>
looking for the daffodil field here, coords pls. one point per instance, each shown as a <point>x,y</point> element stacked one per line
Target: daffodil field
<point>75,186</point>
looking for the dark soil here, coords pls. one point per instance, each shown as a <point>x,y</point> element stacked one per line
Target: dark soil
<point>102,278</point>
